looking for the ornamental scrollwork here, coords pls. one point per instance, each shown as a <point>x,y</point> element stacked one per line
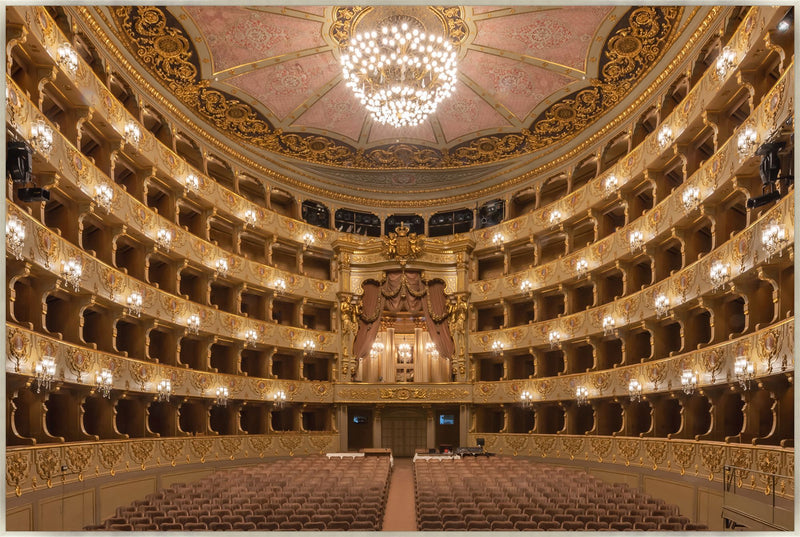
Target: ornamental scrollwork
<point>572,446</point>
<point>78,458</point>
<point>19,346</point>
<point>260,443</point>
<point>320,442</point>
<point>171,449</point>
<point>684,455</point>
<point>290,443</point>
<point>110,455</point>
<point>629,449</point>
<point>17,467</point>
<point>48,464</point>
<point>601,447</point>
<point>231,446</point>
<point>544,444</point>
<point>713,458</point>
<point>200,447</point>
<point>142,451</point>
<point>656,451</point>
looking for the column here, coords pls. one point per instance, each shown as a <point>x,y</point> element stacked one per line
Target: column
<point>376,427</point>
<point>341,417</point>
<point>463,424</point>
<point>430,423</point>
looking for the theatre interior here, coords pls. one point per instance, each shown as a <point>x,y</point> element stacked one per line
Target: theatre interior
<point>399,268</point>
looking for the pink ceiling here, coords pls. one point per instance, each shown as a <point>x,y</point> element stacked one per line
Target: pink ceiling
<point>286,62</point>
<point>562,36</point>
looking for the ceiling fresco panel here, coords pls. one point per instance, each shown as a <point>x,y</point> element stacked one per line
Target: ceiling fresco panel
<point>338,107</point>
<point>386,133</point>
<point>467,112</point>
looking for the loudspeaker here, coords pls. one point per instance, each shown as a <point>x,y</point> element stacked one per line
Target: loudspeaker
<point>19,162</point>
<point>33,194</point>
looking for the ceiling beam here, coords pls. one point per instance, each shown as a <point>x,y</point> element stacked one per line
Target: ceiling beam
<point>531,60</point>
<point>490,100</point>
<point>267,62</point>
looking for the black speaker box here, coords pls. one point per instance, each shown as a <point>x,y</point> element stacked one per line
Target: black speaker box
<point>19,162</point>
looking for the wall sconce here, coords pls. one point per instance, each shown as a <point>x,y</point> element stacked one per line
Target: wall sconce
<point>431,350</point>
<point>68,58</point>
<point>42,137</point>
<point>221,398</point>
<point>404,353</point>
<point>308,240</point>
<point>164,390</point>
<point>609,326</point>
<point>279,398</point>
<point>526,398</point>
<point>221,268</point>
<point>135,304</point>
<point>636,240</point>
<point>251,337</point>
<point>726,61</point>
<point>691,198</point>
<point>581,267</point>
<point>191,183</point>
<point>133,135</point>
<point>773,238</point>
<point>103,381</point>
<point>664,137</point>
<point>71,272</point>
<point>498,239</point>
<point>15,236</point>
<point>497,348</point>
<point>747,142</point>
<point>103,196</point>
<point>662,305</point>
<point>719,273</point>
<point>555,217</point>
<point>193,324</point>
<point>45,373</point>
<point>376,350</point>
<point>279,285</point>
<point>164,239</point>
<point>635,391</point>
<point>610,184</point>
<point>250,218</point>
<point>308,347</point>
<point>555,339</point>
<point>582,395</point>
<point>744,371</point>
<point>688,381</point>
<point>526,287</point>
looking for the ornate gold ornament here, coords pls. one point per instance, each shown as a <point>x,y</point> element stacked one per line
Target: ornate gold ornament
<point>402,245</point>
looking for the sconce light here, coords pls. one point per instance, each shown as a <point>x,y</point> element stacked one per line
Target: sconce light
<point>747,142</point>
<point>42,137</point>
<point>636,240</point>
<point>45,373</point>
<point>221,268</point>
<point>404,353</point>
<point>279,398</point>
<point>725,61</point>
<point>191,183</point>
<point>744,371</point>
<point>250,217</point>
<point>164,238</point>
<point>688,381</point>
<point>377,350</point>
<point>691,198</point>
<point>582,395</point>
<point>581,267</point>
<point>103,196</point>
<point>193,324</point>
<point>68,58</point>
<point>71,272</point>
<point>135,304</point>
<point>15,236</point>
<point>279,286</point>
<point>164,390</point>
<point>308,240</point>
<point>773,238</point>
<point>555,339</point>
<point>526,287</point>
<point>662,305</point>
<point>664,137</point>
<point>555,217</point>
<point>132,133</point>
<point>251,337</point>
<point>635,391</point>
<point>719,273</point>
<point>526,398</point>
<point>497,347</point>
<point>784,25</point>
<point>431,350</point>
<point>221,398</point>
<point>103,381</point>
<point>609,326</point>
<point>498,239</point>
<point>308,347</point>
<point>610,184</point>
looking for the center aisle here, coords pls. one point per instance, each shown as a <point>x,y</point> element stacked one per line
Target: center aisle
<point>400,514</point>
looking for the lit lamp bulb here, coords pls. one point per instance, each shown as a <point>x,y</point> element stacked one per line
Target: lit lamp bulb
<point>191,183</point>
<point>582,395</point>
<point>376,350</point>
<point>636,240</point>
<point>71,272</point>
<point>15,236</point>
<point>718,274</point>
<point>662,305</point>
<point>664,137</point>
<point>526,398</point>
<point>164,238</point>
<point>688,381</point>
<point>250,218</point>
<point>279,398</point>
<point>164,390</point>
<point>725,61</point>
<point>610,184</point>
<point>193,324</point>
<point>103,196</point>
<point>497,347</point>
<point>308,240</point>
<point>221,268</point>
<point>221,398</point>
<point>133,135</point>
<point>691,198</point>
<point>609,325</point>
<point>103,381</point>
<point>498,240</point>
<point>45,373</point>
<point>526,287</point>
<point>555,217</point>
<point>431,350</point>
<point>555,339</point>
<point>308,346</point>
<point>279,285</point>
<point>581,267</point>
<point>68,58</point>
<point>42,137</point>
<point>251,337</point>
<point>747,142</point>
<point>773,237</point>
<point>744,371</point>
<point>635,390</point>
<point>135,304</point>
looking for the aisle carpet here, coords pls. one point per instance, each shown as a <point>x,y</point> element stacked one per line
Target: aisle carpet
<point>400,514</point>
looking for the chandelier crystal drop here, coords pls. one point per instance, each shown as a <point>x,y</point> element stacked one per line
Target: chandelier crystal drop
<point>279,285</point>
<point>526,287</point>
<point>691,198</point>
<point>15,236</point>
<point>726,61</point>
<point>747,142</point>
<point>636,240</point>
<point>719,273</point>
<point>555,217</point>
<point>664,137</point>
<point>250,218</point>
<point>221,267</point>
<point>610,184</point>
<point>400,73</point>
<point>662,305</point>
<point>581,267</point>
<point>164,238</point>
<point>609,325</point>
<point>191,183</point>
<point>744,371</point>
<point>133,135</point>
<point>555,339</point>
<point>193,324</point>
<point>773,237</point>
<point>308,240</point>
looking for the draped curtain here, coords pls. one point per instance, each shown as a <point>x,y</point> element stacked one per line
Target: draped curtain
<point>403,291</point>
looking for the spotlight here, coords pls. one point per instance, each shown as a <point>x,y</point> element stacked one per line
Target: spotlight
<point>33,194</point>
<point>18,162</point>
<point>769,171</point>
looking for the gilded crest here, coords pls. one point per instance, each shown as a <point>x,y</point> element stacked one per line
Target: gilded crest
<point>402,245</point>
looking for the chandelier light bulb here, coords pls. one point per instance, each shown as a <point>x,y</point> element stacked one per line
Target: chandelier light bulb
<point>103,196</point>
<point>308,240</point>
<point>133,135</point>
<point>71,271</point>
<point>526,287</point>
<point>135,304</point>
<point>784,25</point>
<point>635,390</point>
<point>45,373</point>
<point>164,390</point>
<point>279,398</point>
<point>744,371</point>
<point>164,238</point>
<point>581,267</point>
<point>308,346</point>
<point>431,350</point>
<point>773,237</point>
<point>68,58</point>
<point>193,324</point>
<point>609,325</point>
<point>664,137</point>
<point>498,239</point>
<point>103,381</point>
<point>497,347</point>
<point>15,236</point>
<point>555,339</point>
<point>221,398</point>
<point>42,137</point>
<point>582,395</point>
<point>688,381</point>
<point>404,352</point>
<point>636,239</point>
<point>526,398</point>
<point>377,350</point>
<point>401,78</point>
<point>251,337</point>
<point>279,285</point>
<point>662,305</point>
<point>719,273</point>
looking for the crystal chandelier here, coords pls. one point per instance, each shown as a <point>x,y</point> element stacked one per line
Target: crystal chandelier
<point>42,137</point>
<point>135,304</point>
<point>221,398</point>
<point>609,325</point>
<point>555,217</point>
<point>498,239</point>
<point>688,381</point>
<point>71,272</point>
<point>193,324</point>
<point>582,395</point>
<point>526,398</point>
<point>610,184</point>
<point>725,61</point>
<point>581,267</point>
<point>250,218</point>
<point>747,142</point>
<point>744,371</point>
<point>45,373</point>
<point>308,346</point>
<point>164,390</point>
<point>400,73</point>
<point>221,268</point>
<point>555,339</point>
<point>431,350</point>
<point>497,347</point>
<point>103,196</point>
<point>377,350</point>
<point>164,238</point>
<point>15,236</point>
<point>279,285</point>
<point>191,183</point>
<point>279,398</point>
<point>664,137</point>
<point>635,391</point>
<point>719,273</point>
<point>691,198</point>
<point>251,337</point>
<point>308,240</point>
<point>68,58</point>
<point>404,352</point>
<point>636,240</point>
<point>773,238</point>
<point>103,381</point>
<point>132,133</point>
<point>526,287</point>
<point>662,305</point>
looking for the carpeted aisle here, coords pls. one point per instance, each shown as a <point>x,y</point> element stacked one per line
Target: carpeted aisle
<point>400,514</point>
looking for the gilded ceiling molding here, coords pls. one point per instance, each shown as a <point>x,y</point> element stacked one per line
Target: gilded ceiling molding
<point>639,40</point>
